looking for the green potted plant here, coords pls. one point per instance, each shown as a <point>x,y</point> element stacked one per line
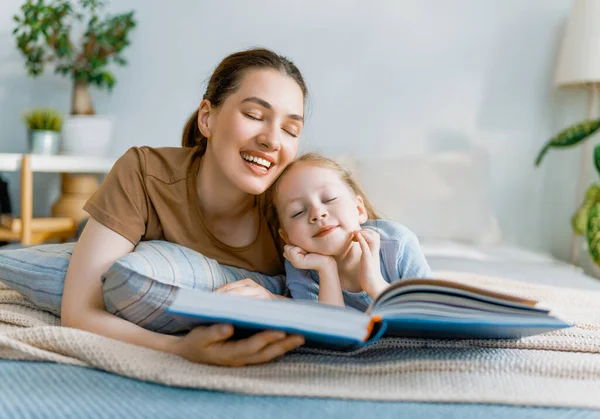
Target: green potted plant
<point>44,126</point>
<point>586,220</point>
<point>45,34</point>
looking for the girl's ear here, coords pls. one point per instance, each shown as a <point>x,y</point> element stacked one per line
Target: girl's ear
<point>204,121</point>
<point>283,236</point>
<point>362,210</point>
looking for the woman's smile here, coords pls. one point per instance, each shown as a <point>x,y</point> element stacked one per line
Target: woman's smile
<point>258,165</point>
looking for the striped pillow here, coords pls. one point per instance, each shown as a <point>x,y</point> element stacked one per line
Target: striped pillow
<point>137,287</point>
<point>37,272</point>
<point>140,285</point>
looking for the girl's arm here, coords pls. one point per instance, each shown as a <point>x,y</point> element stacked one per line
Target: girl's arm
<point>302,286</point>
<point>330,289</point>
<point>83,308</point>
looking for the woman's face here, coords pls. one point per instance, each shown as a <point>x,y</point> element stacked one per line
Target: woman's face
<point>254,134</point>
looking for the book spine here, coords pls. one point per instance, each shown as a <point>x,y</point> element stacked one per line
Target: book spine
<point>375,330</point>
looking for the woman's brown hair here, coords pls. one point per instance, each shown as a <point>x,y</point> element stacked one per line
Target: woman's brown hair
<point>227,78</point>
<point>318,160</point>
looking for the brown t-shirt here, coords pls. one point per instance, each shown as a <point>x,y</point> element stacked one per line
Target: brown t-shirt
<point>151,194</point>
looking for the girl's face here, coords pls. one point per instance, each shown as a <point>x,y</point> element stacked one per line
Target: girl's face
<point>254,134</point>
<point>317,210</point>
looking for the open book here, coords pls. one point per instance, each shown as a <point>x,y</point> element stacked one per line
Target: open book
<point>409,308</point>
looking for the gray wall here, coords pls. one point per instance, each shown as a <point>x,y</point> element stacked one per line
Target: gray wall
<point>393,77</point>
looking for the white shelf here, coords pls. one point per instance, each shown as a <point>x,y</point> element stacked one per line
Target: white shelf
<point>10,162</point>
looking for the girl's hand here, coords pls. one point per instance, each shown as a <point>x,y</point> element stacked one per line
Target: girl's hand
<point>247,288</point>
<point>301,259</point>
<point>209,345</point>
<point>371,279</point>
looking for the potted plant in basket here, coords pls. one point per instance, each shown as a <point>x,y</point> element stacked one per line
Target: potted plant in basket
<point>45,34</point>
<point>586,220</point>
<point>44,127</point>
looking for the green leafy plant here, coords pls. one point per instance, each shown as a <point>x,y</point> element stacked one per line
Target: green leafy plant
<point>45,35</point>
<point>43,119</point>
<point>586,220</point>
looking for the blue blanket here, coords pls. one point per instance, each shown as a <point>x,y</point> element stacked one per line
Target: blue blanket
<point>47,390</point>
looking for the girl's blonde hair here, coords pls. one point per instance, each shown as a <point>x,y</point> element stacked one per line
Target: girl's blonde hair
<point>318,160</point>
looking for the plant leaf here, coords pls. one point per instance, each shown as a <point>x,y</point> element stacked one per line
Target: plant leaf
<point>43,119</point>
<point>593,233</point>
<point>570,136</point>
<point>597,158</point>
<point>579,220</point>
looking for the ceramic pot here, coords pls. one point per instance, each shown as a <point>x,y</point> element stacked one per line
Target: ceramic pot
<point>86,135</point>
<point>44,142</point>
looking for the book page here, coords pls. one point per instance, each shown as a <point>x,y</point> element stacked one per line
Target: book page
<point>397,287</point>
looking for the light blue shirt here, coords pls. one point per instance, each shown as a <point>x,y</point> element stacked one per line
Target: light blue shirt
<point>400,255</point>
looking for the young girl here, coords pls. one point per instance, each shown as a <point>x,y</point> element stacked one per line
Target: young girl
<point>337,249</point>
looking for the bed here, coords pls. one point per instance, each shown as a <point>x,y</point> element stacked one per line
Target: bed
<point>466,239</point>
<point>45,389</point>
<point>507,261</point>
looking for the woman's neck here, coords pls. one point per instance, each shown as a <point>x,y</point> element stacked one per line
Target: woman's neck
<point>219,198</point>
<point>348,264</point>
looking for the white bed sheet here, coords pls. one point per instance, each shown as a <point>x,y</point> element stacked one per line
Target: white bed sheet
<point>507,261</point>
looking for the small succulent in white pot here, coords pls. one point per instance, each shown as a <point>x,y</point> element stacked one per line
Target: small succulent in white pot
<point>44,126</point>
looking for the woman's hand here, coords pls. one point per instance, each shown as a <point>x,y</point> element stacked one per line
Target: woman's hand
<point>301,259</point>
<point>247,288</point>
<point>209,345</point>
<point>371,280</point>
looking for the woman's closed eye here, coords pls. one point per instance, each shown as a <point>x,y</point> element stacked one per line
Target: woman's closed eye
<point>292,131</point>
<point>327,201</point>
<point>254,117</point>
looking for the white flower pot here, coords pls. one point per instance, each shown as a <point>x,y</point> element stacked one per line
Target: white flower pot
<point>87,135</point>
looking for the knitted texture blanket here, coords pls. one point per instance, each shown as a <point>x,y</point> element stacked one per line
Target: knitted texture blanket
<point>560,368</point>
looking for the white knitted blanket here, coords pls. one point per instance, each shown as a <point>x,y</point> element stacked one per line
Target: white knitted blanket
<point>560,368</point>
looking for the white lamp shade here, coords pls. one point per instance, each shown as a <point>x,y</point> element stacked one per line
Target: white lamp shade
<point>579,56</point>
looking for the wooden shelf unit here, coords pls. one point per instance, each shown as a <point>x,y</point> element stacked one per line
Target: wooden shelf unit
<point>29,230</point>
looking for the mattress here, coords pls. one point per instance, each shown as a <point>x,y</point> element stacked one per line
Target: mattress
<point>507,261</point>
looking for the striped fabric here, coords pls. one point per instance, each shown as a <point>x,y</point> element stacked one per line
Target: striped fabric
<point>37,272</point>
<point>137,287</point>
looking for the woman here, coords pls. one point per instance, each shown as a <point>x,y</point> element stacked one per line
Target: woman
<point>203,196</point>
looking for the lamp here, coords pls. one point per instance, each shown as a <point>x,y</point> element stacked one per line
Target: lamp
<point>579,65</point>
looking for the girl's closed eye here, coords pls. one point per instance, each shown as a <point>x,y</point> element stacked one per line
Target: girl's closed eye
<point>297,213</point>
<point>327,201</point>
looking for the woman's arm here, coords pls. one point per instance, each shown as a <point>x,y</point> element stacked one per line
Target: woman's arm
<point>83,308</point>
